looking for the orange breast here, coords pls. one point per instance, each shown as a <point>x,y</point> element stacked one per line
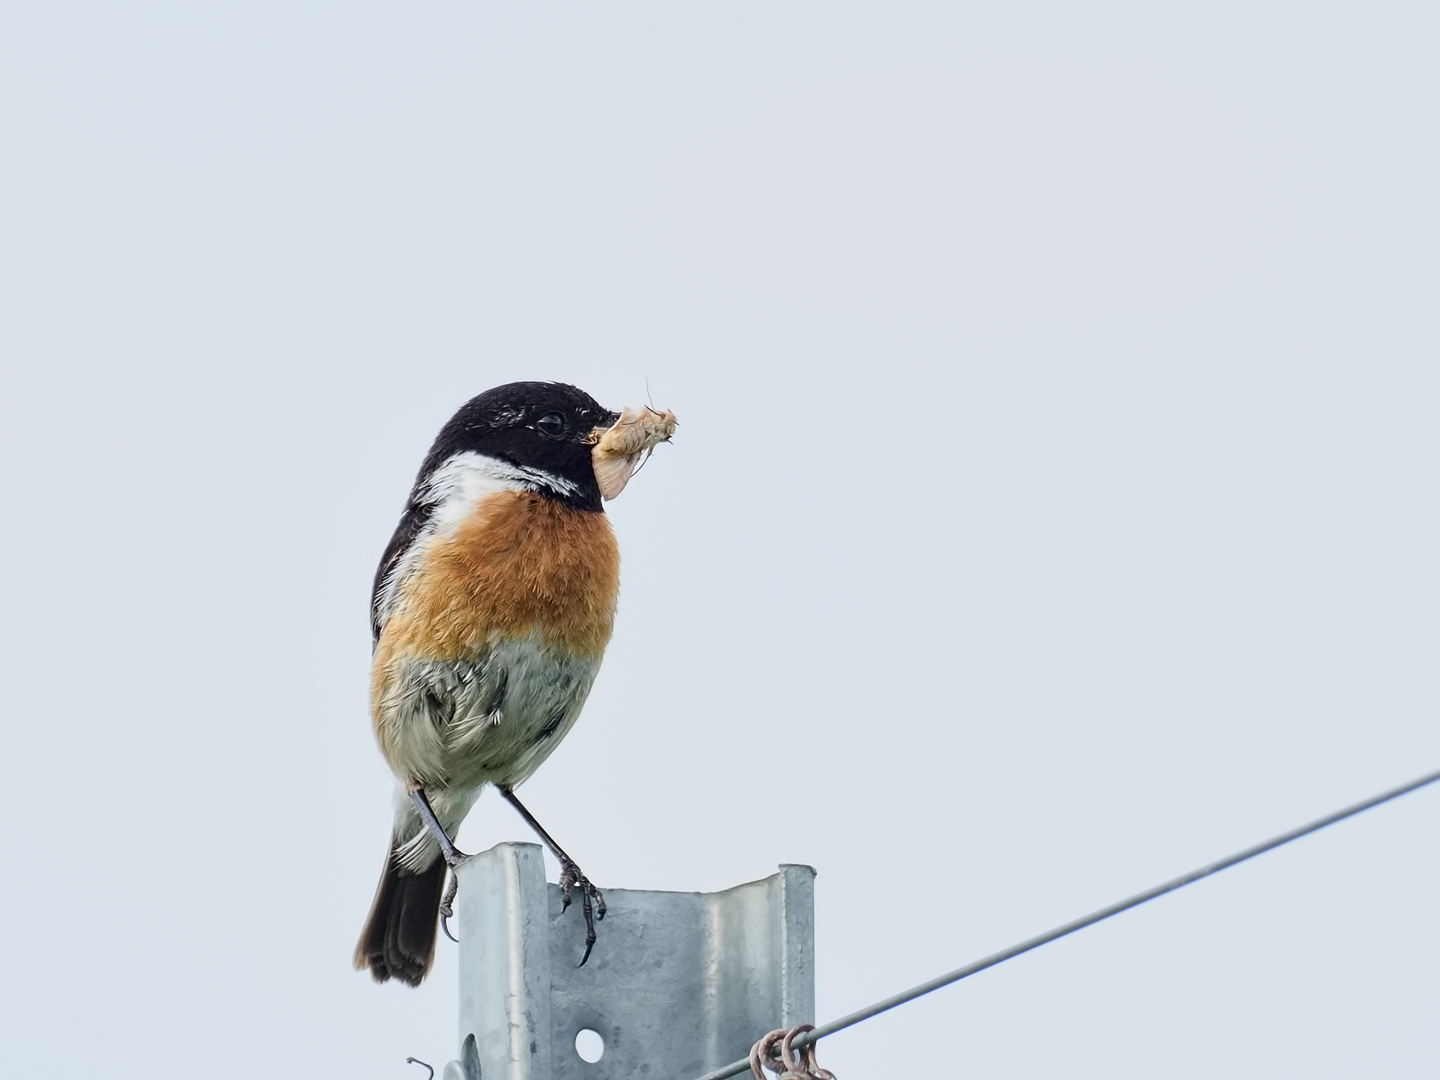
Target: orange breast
<point>519,563</point>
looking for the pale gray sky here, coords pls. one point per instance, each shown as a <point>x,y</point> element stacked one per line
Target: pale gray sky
<point>1057,472</point>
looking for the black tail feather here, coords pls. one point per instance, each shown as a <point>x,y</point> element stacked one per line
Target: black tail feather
<point>398,941</point>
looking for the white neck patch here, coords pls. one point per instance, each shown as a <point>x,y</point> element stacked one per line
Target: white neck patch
<point>463,479</point>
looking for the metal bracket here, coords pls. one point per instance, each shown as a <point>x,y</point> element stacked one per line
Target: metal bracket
<point>679,983</point>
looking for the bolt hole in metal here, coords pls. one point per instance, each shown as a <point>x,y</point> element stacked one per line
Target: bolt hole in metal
<point>589,1045</point>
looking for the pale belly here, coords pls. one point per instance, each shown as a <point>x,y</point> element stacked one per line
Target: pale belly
<point>492,718</point>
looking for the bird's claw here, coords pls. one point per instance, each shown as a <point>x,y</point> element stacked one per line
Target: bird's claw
<point>447,903</point>
<point>592,902</point>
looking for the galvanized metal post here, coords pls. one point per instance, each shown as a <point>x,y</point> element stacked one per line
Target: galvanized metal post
<point>679,983</point>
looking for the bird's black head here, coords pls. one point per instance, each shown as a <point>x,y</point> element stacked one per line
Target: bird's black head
<point>542,428</point>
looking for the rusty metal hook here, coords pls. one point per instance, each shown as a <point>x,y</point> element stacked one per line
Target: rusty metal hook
<point>764,1053</point>
<point>792,1064</point>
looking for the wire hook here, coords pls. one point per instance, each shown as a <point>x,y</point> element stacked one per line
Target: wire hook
<point>763,1054</point>
<point>792,1065</point>
<point>805,1066</point>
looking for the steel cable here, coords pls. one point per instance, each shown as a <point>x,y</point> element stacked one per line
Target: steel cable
<point>737,1067</point>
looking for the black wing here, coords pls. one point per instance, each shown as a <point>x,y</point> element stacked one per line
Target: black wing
<point>412,524</point>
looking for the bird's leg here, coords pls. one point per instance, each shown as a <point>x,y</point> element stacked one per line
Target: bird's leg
<point>452,855</point>
<point>592,900</point>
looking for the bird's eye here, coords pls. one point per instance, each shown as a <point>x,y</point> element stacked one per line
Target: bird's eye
<point>551,424</point>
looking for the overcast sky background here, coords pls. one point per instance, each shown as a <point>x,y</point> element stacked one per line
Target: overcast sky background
<point>1056,479</point>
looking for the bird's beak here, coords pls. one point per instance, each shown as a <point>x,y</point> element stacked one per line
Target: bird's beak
<point>620,448</point>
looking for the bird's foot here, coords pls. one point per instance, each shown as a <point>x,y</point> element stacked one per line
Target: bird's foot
<point>447,901</point>
<point>453,858</point>
<point>592,901</point>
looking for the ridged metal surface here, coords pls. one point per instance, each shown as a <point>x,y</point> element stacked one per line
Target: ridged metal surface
<point>679,983</point>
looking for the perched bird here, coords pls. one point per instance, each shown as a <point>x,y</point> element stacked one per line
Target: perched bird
<point>491,610</point>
